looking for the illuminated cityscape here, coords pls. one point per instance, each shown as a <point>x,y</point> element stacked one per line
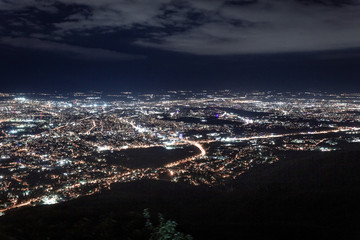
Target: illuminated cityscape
<point>57,147</point>
<point>179,119</point>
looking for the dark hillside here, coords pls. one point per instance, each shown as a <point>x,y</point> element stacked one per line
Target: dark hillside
<point>306,198</point>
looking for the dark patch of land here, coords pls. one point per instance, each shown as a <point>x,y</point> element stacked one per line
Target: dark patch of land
<point>307,197</point>
<point>148,157</point>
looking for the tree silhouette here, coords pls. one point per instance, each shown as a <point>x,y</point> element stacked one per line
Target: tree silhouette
<point>165,230</point>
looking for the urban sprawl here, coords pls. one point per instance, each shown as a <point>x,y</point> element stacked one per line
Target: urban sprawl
<point>57,147</point>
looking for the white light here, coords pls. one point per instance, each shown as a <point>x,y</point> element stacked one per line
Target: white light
<point>21,99</point>
<point>170,147</point>
<point>49,200</point>
<point>103,148</point>
<point>63,162</point>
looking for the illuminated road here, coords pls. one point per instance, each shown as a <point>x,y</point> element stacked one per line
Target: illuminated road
<point>203,151</point>
<point>199,146</point>
<point>28,203</point>
<point>340,129</point>
<point>201,154</point>
<point>92,128</point>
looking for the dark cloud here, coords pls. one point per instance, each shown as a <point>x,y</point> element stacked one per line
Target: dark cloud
<point>331,2</point>
<point>268,27</point>
<point>206,27</point>
<point>67,50</point>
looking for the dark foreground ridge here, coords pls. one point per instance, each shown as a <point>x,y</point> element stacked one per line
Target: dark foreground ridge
<point>304,198</point>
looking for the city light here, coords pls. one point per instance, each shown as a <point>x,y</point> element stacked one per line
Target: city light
<point>58,149</point>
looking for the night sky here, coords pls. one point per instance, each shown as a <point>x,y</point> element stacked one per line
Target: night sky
<point>149,45</point>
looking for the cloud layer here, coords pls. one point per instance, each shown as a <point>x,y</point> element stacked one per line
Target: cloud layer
<point>68,50</point>
<point>203,27</point>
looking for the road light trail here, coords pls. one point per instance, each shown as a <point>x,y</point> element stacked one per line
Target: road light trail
<point>340,129</point>
<point>92,128</point>
<point>201,154</point>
